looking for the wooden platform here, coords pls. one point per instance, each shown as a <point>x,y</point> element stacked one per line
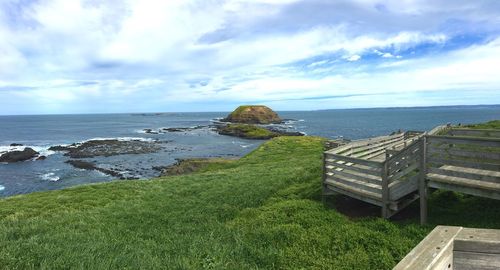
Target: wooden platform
<point>389,170</point>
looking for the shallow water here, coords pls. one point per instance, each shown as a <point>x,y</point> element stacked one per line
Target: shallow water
<point>42,131</point>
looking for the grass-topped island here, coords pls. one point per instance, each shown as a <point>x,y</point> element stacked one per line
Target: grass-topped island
<point>263,211</point>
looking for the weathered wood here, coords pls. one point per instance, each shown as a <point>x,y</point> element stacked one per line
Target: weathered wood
<point>399,175</point>
<point>356,176</point>
<point>403,163</point>
<point>478,240</point>
<point>364,142</point>
<point>354,167</point>
<point>403,188</point>
<point>465,153</point>
<point>479,141</point>
<point>370,163</point>
<point>360,194</point>
<point>465,182</point>
<point>467,190</point>
<point>438,129</point>
<point>463,260</point>
<point>474,174</point>
<point>434,252</point>
<point>355,184</point>
<point>385,191</point>
<point>410,148</point>
<point>440,161</point>
<point>422,180</point>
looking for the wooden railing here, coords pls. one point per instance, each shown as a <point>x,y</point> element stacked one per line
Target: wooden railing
<point>386,170</point>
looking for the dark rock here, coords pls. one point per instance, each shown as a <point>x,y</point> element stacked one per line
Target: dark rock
<point>80,164</point>
<point>60,148</point>
<point>16,156</point>
<point>41,158</point>
<point>16,144</point>
<point>150,131</point>
<point>107,148</point>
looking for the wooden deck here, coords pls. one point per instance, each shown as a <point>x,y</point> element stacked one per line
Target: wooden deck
<point>455,248</point>
<point>392,171</point>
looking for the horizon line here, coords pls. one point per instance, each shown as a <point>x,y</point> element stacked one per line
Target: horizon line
<point>171,112</point>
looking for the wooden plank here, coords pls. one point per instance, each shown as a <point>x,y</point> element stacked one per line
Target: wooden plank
<point>409,148</point>
<point>363,142</point>
<point>438,129</point>
<point>474,174</point>
<point>354,167</point>
<point>399,175</point>
<point>467,190</point>
<point>403,188</point>
<point>357,184</point>
<point>433,252</point>
<point>465,153</point>
<point>357,176</point>
<point>478,240</point>
<point>370,163</point>
<point>463,260</point>
<point>480,141</point>
<point>361,193</point>
<point>422,186</point>
<point>462,163</point>
<point>354,195</point>
<point>404,163</point>
<point>464,182</point>
<point>385,191</point>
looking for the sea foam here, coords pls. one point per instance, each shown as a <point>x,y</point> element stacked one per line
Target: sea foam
<point>43,150</point>
<point>50,177</point>
<point>2,187</point>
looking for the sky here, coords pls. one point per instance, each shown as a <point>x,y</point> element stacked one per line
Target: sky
<point>107,56</point>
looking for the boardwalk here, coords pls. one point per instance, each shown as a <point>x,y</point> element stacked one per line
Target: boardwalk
<point>393,171</point>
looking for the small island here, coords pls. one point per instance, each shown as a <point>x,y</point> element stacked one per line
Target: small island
<point>252,122</point>
<point>253,114</point>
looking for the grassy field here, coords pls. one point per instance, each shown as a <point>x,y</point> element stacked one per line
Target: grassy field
<point>263,211</point>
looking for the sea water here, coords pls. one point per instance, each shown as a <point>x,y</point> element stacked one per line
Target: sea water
<point>42,131</point>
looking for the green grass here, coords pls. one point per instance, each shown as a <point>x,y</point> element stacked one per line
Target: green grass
<point>495,124</point>
<point>260,212</point>
<point>248,131</point>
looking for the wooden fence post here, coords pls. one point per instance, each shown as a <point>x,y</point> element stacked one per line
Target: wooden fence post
<point>323,185</point>
<point>385,188</point>
<point>422,187</point>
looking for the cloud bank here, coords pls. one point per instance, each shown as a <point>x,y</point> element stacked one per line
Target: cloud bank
<point>85,56</point>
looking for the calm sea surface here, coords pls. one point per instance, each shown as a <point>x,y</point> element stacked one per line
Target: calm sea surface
<point>43,131</point>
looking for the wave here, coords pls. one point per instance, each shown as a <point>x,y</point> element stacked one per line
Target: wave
<point>50,177</point>
<point>2,188</point>
<point>124,139</point>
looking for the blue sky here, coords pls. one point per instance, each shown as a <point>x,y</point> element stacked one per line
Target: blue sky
<point>92,56</point>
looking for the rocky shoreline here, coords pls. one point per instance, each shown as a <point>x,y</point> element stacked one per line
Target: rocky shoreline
<point>248,122</point>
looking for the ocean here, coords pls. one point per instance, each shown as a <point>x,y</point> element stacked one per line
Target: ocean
<point>42,131</point>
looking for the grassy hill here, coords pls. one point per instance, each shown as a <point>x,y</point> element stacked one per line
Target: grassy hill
<point>263,211</point>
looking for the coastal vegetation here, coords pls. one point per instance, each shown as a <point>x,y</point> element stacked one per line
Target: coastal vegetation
<point>261,211</point>
<point>247,131</point>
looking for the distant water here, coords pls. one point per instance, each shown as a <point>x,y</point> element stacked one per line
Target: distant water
<point>42,131</point>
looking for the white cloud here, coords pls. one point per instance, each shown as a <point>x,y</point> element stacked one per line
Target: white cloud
<point>241,50</point>
<point>353,58</point>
